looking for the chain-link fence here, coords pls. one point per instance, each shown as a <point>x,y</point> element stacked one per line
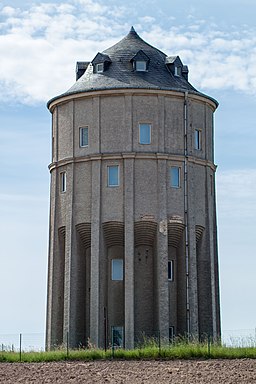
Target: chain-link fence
<point>239,338</point>
<point>26,342</point>
<point>22,341</point>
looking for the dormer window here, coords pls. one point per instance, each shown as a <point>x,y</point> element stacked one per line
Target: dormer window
<point>99,68</point>
<point>141,66</point>
<point>101,62</point>
<point>177,71</point>
<point>175,66</point>
<point>140,62</point>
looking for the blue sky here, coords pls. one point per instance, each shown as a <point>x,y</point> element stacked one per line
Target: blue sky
<point>40,43</point>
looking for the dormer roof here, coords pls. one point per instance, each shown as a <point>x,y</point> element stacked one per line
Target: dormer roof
<point>101,58</point>
<point>140,56</point>
<point>175,60</point>
<point>174,64</point>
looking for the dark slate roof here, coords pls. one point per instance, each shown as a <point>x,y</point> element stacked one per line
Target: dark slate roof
<point>120,74</point>
<point>140,55</point>
<point>101,58</point>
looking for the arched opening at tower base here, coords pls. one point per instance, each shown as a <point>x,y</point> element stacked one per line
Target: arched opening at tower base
<point>81,286</point>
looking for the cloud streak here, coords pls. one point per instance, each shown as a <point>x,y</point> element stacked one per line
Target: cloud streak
<point>236,195</point>
<point>40,45</point>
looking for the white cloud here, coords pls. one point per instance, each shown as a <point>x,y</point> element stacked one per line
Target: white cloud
<point>40,45</point>
<point>93,6</point>
<point>147,19</point>
<point>216,59</point>
<point>8,11</point>
<point>236,195</point>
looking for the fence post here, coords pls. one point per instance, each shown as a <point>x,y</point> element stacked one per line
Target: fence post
<point>105,329</point>
<point>20,344</point>
<point>209,345</point>
<point>159,343</point>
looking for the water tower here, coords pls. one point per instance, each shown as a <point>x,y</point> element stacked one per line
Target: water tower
<point>133,239</point>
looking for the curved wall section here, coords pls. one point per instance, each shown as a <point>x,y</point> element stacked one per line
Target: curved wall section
<point>138,209</point>
<point>113,120</point>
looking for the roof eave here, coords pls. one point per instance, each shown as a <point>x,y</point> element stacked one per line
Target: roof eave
<point>180,90</point>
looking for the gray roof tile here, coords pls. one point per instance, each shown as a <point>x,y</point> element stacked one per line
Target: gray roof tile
<point>121,74</point>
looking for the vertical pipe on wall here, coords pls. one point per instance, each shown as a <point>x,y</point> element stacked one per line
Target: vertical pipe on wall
<point>186,210</point>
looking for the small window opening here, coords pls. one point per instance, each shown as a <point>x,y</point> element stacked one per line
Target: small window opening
<point>170,270</point>
<point>145,133</point>
<point>99,67</point>
<point>177,71</point>
<point>63,181</point>
<point>141,66</point>
<point>175,177</point>
<point>83,137</point>
<point>117,269</point>
<point>117,336</point>
<point>113,176</point>
<point>198,139</point>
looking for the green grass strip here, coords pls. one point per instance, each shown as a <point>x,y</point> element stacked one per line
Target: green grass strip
<point>176,351</point>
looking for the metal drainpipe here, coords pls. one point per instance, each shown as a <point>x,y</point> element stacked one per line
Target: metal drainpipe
<point>186,211</point>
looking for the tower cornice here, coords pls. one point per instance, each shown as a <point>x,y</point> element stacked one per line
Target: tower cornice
<point>131,92</point>
<point>132,155</point>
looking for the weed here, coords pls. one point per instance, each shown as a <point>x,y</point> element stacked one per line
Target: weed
<point>180,349</point>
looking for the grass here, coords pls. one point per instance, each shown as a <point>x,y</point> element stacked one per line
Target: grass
<point>179,350</point>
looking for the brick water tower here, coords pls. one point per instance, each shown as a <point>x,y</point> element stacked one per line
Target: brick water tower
<point>133,239</point>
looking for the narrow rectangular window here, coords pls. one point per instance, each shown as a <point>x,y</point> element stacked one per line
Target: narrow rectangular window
<point>83,137</point>
<point>211,184</point>
<point>117,336</point>
<point>117,269</point>
<point>83,132</point>
<point>175,177</point>
<point>63,181</point>
<point>170,270</point>
<point>113,176</point>
<point>145,133</point>
<point>99,67</point>
<point>198,139</point>
<point>171,334</point>
<point>177,71</point>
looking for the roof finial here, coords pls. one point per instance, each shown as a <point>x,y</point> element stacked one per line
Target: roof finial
<point>132,30</point>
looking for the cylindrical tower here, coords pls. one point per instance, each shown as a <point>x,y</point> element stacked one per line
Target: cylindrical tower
<point>133,240</point>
